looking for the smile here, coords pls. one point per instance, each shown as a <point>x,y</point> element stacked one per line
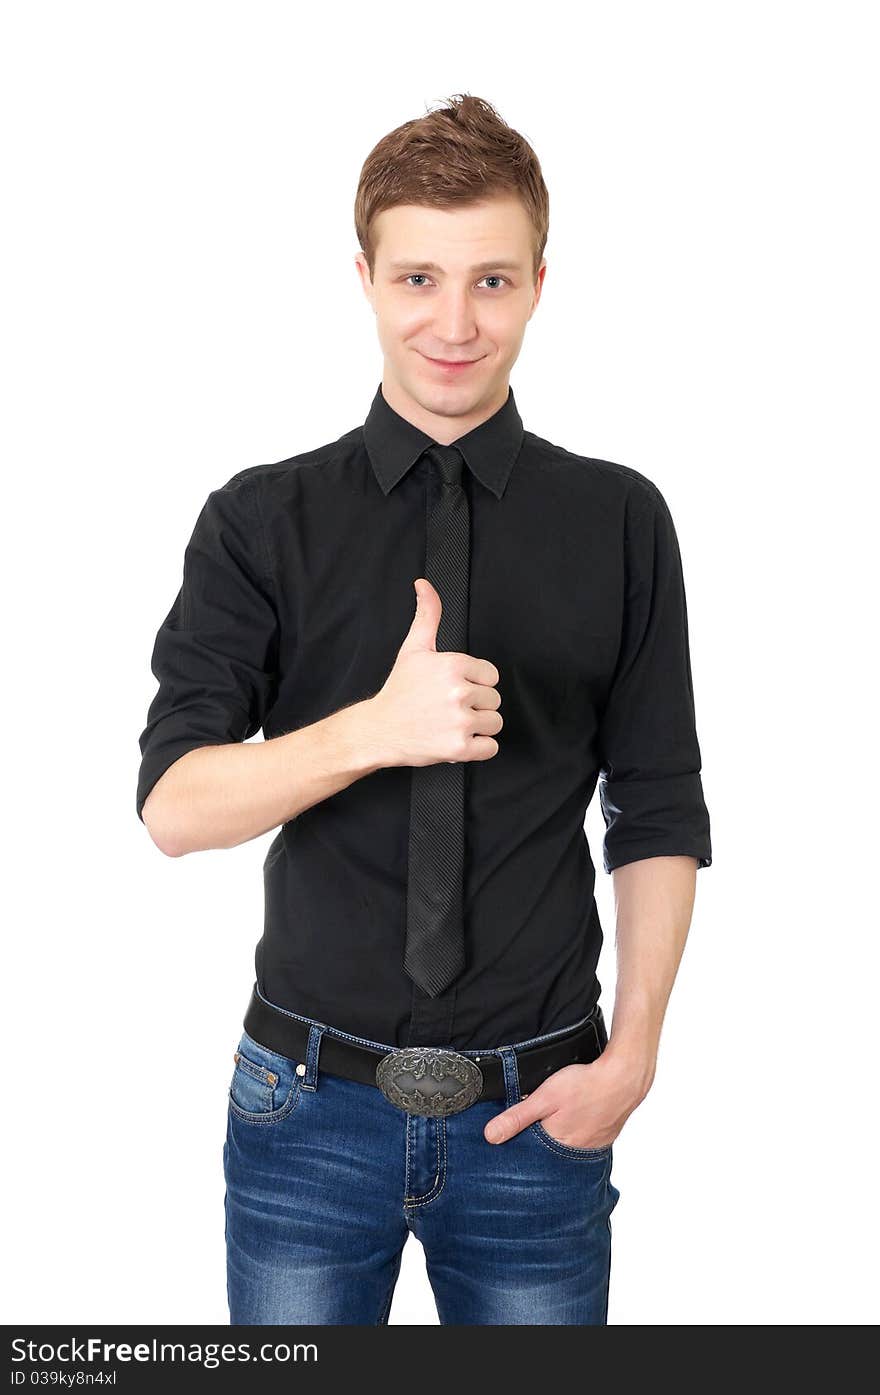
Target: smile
<point>448,365</point>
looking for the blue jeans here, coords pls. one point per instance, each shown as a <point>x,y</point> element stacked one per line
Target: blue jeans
<point>326,1178</point>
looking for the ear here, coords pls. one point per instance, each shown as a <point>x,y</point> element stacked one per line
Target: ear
<point>360,262</point>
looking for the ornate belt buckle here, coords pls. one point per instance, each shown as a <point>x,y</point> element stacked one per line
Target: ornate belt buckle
<point>429,1080</point>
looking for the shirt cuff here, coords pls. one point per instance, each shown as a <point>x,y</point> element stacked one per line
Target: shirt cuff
<point>664,817</point>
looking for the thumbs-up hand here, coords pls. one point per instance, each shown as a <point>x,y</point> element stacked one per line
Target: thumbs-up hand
<point>437,705</point>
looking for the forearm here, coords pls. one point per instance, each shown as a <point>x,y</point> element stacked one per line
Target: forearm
<point>220,796</point>
<point>654,901</point>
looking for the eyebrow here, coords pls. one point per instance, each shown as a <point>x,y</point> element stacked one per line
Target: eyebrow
<point>502,264</point>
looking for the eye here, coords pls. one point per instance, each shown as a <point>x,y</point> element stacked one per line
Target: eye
<point>420,275</point>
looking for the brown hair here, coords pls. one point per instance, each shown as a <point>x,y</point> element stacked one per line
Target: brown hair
<point>453,155</point>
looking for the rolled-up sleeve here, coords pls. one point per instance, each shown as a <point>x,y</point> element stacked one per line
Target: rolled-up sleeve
<point>215,655</point>
<point>650,787</point>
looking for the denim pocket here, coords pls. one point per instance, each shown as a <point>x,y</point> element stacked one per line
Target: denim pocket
<point>567,1149</point>
<point>265,1086</point>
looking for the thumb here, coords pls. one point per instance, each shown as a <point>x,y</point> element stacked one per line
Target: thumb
<point>423,630</point>
<point>510,1121</point>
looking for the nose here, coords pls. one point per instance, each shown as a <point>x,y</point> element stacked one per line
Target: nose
<point>454,322</point>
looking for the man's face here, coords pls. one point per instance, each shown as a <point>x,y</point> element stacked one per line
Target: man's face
<point>451,287</point>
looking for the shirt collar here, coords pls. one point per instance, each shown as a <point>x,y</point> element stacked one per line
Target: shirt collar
<point>490,449</point>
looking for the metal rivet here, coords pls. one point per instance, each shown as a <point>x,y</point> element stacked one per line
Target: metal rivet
<point>272,1078</point>
<point>236,1057</point>
<point>300,1070</point>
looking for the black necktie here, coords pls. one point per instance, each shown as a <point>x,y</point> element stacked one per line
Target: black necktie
<point>434,955</point>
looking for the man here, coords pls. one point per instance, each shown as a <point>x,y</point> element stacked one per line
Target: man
<point>424,1048</point>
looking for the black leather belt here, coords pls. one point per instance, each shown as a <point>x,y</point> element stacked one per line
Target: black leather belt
<point>430,1080</point>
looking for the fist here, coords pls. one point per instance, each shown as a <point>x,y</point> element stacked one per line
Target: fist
<point>438,706</point>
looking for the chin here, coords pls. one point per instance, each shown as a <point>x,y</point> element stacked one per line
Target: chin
<point>442,397</point>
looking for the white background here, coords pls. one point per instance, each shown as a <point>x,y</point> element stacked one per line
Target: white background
<point>180,302</point>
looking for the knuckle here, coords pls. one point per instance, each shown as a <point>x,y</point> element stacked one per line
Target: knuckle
<point>463,746</point>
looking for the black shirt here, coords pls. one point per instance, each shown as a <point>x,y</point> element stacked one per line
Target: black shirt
<point>297,594</point>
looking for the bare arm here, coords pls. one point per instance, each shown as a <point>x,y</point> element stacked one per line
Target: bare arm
<point>654,902</point>
<point>220,796</point>
<point>586,1106</point>
<point>432,707</point>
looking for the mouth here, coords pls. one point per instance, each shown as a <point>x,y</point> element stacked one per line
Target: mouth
<point>451,365</point>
